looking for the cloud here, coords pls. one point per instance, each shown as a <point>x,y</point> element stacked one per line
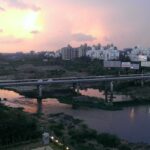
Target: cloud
<point>106,39</point>
<point>1,30</point>
<point>2,9</point>
<point>10,40</point>
<point>34,32</point>
<point>22,5</point>
<point>81,37</point>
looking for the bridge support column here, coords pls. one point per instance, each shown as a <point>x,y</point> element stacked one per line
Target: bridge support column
<point>106,92</point>
<point>74,86</point>
<point>78,88</point>
<point>39,105</point>
<point>106,95</point>
<point>142,83</point>
<point>39,87</point>
<point>111,90</point>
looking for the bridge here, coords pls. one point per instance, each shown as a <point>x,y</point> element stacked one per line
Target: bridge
<point>75,81</point>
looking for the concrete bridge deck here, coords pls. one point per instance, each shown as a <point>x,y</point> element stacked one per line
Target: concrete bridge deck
<point>71,80</point>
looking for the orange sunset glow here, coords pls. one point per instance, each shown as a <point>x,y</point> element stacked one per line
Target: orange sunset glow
<point>19,25</point>
<point>50,25</point>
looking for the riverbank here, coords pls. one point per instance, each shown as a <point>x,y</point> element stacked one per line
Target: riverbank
<point>101,120</point>
<point>78,136</point>
<point>89,102</point>
<point>70,132</point>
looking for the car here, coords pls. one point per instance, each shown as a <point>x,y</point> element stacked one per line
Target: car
<point>49,80</point>
<point>40,80</point>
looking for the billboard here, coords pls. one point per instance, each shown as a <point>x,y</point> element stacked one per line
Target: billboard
<point>142,58</point>
<point>135,66</point>
<point>126,64</point>
<point>112,64</point>
<point>145,64</point>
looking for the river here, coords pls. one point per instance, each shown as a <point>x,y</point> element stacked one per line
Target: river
<point>131,123</point>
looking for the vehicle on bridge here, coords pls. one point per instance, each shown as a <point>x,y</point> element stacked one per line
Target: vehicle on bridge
<point>49,80</point>
<point>40,80</point>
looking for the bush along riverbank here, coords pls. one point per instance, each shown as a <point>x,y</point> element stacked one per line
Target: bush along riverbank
<point>93,102</point>
<point>86,101</point>
<point>17,126</point>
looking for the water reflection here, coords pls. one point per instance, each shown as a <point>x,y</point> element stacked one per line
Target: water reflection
<point>148,110</point>
<point>101,94</point>
<point>92,93</point>
<point>132,113</point>
<point>9,94</point>
<point>32,105</point>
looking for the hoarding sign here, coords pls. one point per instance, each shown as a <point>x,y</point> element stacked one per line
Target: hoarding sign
<point>112,64</point>
<point>126,64</point>
<point>142,58</point>
<point>135,66</point>
<point>145,64</point>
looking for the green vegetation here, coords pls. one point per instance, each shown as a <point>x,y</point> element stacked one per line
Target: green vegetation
<point>86,65</point>
<point>134,89</point>
<point>78,136</point>
<point>17,126</point>
<point>34,66</point>
<point>85,101</point>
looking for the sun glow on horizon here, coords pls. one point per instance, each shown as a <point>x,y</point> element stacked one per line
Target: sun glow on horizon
<point>20,24</point>
<point>30,22</point>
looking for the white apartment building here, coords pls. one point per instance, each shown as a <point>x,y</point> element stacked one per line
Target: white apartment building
<point>53,54</point>
<point>139,54</point>
<point>95,54</point>
<point>103,54</point>
<point>58,54</point>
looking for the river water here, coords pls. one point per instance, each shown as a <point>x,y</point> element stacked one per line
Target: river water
<point>131,123</point>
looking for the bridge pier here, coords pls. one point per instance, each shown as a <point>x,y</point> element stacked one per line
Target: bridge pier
<point>39,87</point>
<point>78,88</point>
<point>106,95</point>
<point>106,92</point>
<point>74,86</point>
<point>39,105</point>
<point>111,91</point>
<point>142,81</point>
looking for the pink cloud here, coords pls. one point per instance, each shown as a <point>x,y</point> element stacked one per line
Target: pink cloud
<point>1,30</point>
<point>10,40</point>
<point>20,4</point>
<point>81,37</point>
<point>34,32</point>
<point>2,9</point>
<point>92,21</point>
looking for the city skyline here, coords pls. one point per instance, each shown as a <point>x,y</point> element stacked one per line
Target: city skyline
<point>49,25</point>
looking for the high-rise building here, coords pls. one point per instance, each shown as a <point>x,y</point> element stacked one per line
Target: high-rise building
<point>69,53</point>
<point>82,50</point>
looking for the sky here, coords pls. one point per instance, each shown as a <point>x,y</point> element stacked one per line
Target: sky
<point>38,25</point>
